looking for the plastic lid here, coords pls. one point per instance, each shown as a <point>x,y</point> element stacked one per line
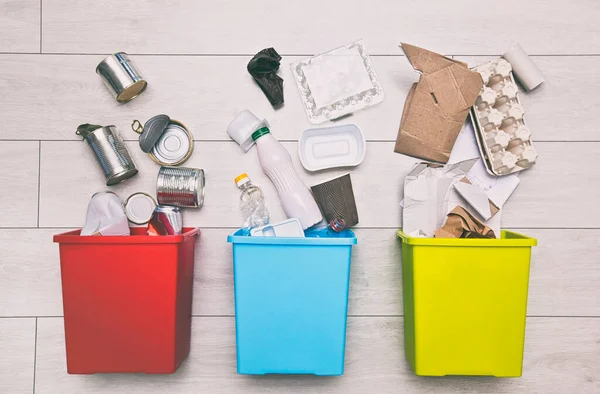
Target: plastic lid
<point>139,208</point>
<point>241,128</point>
<point>260,132</point>
<point>241,179</point>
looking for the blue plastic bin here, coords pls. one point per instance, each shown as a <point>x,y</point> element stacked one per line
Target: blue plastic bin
<point>291,303</point>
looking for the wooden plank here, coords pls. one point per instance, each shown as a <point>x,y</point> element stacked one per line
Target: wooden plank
<point>561,355</point>
<point>20,26</point>
<point>205,93</point>
<point>17,347</point>
<point>570,192</point>
<point>560,284</point>
<point>313,26</point>
<point>19,161</point>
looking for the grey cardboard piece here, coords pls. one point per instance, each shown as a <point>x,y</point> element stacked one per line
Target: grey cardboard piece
<point>436,106</point>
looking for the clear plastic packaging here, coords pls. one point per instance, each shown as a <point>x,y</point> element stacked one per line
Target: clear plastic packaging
<point>252,203</point>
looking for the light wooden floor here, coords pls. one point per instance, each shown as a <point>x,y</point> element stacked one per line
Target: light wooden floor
<point>194,56</point>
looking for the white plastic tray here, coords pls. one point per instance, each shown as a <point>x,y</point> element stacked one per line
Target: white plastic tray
<point>337,83</point>
<point>329,147</point>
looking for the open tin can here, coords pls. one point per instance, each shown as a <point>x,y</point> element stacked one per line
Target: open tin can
<point>121,77</point>
<point>167,141</point>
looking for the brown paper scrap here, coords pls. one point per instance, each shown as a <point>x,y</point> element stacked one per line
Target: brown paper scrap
<point>461,224</point>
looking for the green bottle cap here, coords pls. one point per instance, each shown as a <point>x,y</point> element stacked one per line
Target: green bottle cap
<point>260,132</point>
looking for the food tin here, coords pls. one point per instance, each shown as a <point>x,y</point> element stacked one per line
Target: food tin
<point>180,186</point>
<point>166,140</point>
<point>110,152</point>
<point>139,208</point>
<point>165,221</point>
<point>121,77</point>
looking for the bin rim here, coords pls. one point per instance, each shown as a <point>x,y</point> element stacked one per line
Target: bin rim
<point>235,238</point>
<point>516,239</point>
<point>138,237</point>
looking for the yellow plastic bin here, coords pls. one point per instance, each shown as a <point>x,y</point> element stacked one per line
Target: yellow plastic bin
<point>465,303</point>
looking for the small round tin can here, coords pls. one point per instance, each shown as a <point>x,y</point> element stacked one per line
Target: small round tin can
<point>139,208</point>
<point>121,77</point>
<point>165,220</point>
<point>167,141</point>
<point>180,186</point>
<point>110,152</point>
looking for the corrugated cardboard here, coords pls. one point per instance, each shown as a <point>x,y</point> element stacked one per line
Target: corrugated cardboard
<point>436,106</point>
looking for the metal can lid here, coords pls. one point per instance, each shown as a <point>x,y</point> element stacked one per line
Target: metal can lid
<point>139,208</point>
<point>153,130</point>
<point>174,145</point>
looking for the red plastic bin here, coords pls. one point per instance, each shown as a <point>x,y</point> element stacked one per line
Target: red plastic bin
<point>127,301</point>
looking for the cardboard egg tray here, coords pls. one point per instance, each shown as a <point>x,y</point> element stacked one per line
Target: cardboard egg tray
<point>502,135</point>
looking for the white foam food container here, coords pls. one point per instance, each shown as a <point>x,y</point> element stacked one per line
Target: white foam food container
<point>287,228</point>
<point>329,147</point>
<point>497,116</point>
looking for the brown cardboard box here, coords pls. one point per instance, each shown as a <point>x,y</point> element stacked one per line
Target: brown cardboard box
<point>436,107</point>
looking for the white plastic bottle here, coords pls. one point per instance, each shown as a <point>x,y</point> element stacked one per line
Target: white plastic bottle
<point>252,203</point>
<point>297,200</point>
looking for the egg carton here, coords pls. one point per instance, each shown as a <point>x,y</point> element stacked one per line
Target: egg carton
<point>502,135</point>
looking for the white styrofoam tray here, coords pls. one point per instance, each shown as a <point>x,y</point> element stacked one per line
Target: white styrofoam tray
<point>328,147</point>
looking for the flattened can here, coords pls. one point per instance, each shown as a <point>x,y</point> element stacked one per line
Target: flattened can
<point>166,220</point>
<point>180,186</point>
<point>110,152</point>
<point>121,77</point>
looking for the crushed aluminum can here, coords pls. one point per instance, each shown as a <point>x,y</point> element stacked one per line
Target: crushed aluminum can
<point>166,220</point>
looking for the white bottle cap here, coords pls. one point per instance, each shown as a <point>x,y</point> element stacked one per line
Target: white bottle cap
<point>242,126</point>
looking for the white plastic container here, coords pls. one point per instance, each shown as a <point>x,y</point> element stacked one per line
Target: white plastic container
<point>329,147</point>
<point>296,198</point>
<point>287,228</point>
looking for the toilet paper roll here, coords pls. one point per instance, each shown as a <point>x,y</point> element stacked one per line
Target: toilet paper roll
<point>523,67</point>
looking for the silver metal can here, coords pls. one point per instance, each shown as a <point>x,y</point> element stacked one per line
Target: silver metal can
<point>166,220</point>
<point>180,186</point>
<point>121,77</point>
<point>110,152</point>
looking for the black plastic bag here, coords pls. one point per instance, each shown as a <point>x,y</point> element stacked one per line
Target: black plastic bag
<point>263,68</point>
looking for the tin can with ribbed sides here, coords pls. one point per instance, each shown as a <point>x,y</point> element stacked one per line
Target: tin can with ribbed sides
<point>180,187</point>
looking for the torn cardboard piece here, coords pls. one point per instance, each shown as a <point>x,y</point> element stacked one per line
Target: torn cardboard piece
<point>476,198</point>
<point>436,106</point>
<point>461,224</point>
<point>429,195</point>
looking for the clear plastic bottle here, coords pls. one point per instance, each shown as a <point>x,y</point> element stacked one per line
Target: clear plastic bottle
<point>276,162</point>
<point>252,203</point>
<point>336,226</point>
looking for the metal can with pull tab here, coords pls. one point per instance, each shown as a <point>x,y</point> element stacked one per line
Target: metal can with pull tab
<point>167,141</point>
